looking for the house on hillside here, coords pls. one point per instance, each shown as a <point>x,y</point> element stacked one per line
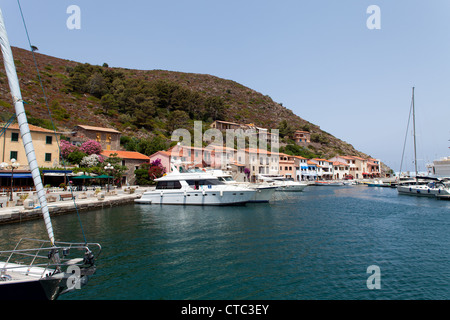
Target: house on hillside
<point>108,138</point>
<point>302,137</point>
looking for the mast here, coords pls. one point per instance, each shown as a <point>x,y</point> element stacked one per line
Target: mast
<point>414,133</point>
<point>23,125</point>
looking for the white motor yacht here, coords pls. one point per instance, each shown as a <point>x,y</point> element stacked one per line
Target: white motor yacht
<point>282,183</point>
<point>195,188</point>
<point>264,192</point>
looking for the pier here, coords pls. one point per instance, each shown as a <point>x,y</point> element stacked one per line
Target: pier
<point>58,203</point>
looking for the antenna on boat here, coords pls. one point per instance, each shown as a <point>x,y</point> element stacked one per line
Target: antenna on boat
<point>414,133</point>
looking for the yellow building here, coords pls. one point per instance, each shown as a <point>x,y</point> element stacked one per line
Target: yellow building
<point>44,142</point>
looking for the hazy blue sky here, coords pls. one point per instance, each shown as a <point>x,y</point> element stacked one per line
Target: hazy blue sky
<point>317,58</point>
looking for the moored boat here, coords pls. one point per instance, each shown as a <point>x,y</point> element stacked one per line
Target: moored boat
<point>195,188</point>
<point>264,192</point>
<point>283,183</point>
<point>45,270</point>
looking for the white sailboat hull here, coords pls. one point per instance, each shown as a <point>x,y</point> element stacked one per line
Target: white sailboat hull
<point>422,190</point>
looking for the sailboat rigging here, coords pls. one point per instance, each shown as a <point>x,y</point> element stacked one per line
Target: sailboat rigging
<point>50,270</point>
<point>421,186</point>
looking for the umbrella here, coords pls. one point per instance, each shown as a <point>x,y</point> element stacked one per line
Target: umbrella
<point>103,176</point>
<point>82,177</point>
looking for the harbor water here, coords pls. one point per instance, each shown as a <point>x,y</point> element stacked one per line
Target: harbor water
<point>315,244</point>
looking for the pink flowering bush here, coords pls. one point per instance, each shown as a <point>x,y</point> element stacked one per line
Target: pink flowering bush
<point>67,148</point>
<point>91,147</point>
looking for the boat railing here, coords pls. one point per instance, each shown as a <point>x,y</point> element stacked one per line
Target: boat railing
<point>35,253</point>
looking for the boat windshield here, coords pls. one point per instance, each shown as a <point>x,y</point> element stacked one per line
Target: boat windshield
<point>203,182</point>
<point>168,185</point>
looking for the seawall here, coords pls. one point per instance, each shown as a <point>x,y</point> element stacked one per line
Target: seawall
<point>19,214</point>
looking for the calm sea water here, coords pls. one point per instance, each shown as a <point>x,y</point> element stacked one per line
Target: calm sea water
<point>316,244</point>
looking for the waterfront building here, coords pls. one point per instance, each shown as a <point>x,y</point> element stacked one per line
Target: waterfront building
<point>108,138</point>
<point>324,168</point>
<point>287,166</point>
<point>341,170</point>
<point>357,165</point>
<point>260,161</point>
<point>131,159</point>
<point>373,168</point>
<point>311,172</point>
<point>301,168</point>
<point>45,143</point>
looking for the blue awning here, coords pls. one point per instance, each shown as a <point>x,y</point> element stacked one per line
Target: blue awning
<point>56,171</point>
<point>16,175</point>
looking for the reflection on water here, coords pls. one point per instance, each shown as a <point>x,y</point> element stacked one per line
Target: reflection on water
<point>315,244</point>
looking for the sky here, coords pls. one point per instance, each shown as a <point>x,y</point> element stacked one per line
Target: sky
<point>318,58</point>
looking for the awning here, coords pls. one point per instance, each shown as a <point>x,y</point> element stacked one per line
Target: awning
<point>56,171</point>
<point>103,177</point>
<point>16,175</point>
<point>82,177</point>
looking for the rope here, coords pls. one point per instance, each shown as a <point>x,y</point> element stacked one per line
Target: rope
<point>49,112</point>
<point>404,143</point>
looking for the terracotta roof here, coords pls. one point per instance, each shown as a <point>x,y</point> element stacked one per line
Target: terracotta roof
<point>338,163</point>
<point>125,154</point>
<point>319,159</point>
<point>91,128</point>
<point>262,151</point>
<point>166,153</point>
<point>15,126</point>
<point>310,162</point>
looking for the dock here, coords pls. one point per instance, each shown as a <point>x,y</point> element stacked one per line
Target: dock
<point>59,206</point>
<point>443,196</point>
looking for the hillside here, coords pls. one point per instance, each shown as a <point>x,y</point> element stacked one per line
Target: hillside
<point>144,104</point>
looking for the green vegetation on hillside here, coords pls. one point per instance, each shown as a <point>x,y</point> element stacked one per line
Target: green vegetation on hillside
<point>149,104</point>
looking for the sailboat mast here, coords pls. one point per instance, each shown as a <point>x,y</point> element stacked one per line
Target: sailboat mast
<point>414,133</point>
<point>23,125</point>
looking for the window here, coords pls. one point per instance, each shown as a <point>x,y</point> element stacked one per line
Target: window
<point>48,139</point>
<point>14,136</point>
<point>48,157</point>
<point>168,185</point>
<point>13,155</point>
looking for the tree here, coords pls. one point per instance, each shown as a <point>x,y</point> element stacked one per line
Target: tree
<point>177,119</point>
<point>76,156</point>
<point>118,170</point>
<point>285,129</point>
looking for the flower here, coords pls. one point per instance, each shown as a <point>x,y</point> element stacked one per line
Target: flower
<point>91,147</point>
